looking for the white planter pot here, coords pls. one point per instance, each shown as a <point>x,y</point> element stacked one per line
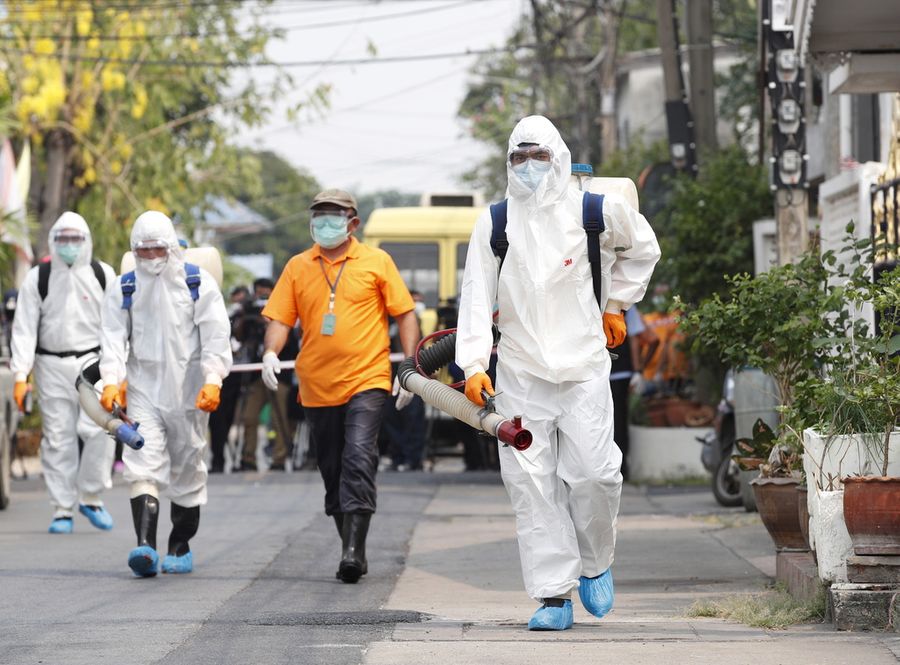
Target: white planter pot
<point>825,462</point>
<point>665,453</point>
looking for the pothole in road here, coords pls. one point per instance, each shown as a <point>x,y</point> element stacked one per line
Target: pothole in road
<point>371,618</point>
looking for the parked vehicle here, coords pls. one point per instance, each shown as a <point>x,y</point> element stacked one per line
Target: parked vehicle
<point>718,447</point>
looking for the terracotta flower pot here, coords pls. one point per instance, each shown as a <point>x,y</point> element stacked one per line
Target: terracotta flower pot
<point>776,500</point>
<point>872,514</point>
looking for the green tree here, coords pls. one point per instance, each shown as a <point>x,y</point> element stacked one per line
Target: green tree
<point>130,107</point>
<point>706,232</point>
<point>283,197</point>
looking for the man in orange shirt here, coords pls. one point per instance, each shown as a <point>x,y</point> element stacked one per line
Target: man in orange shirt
<point>342,292</point>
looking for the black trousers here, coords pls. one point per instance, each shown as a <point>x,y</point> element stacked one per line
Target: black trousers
<point>619,390</point>
<point>221,419</point>
<point>346,443</point>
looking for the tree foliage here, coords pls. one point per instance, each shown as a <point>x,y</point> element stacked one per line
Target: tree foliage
<point>283,198</point>
<point>569,38</point>
<point>130,107</point>
<point>706,232</point>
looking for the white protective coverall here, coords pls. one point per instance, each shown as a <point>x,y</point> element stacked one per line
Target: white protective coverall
<point>176,346</point>
<point>68,319</point>
<point>553,366</point>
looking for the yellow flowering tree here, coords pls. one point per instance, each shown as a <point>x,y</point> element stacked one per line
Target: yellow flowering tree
<point>130,106</point>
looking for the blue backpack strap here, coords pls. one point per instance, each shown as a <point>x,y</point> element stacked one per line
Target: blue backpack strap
<point>127,284</point>
<point>592,219</point>
<point>193,280</point>
<point>499,243</point>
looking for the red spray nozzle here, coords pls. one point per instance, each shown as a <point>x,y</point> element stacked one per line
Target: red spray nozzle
<point>513,434</point>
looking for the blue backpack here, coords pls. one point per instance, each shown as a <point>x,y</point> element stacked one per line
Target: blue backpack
<point>192,280</point>
<point>591,219</point>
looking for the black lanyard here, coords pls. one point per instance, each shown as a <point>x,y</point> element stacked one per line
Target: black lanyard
<point>331,286</point>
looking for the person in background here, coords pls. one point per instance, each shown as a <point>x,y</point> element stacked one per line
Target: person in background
<point>405,428</point>
<point>553,366</point>
<point>249,330</point>
<point>56,330</point>
<point>342,292</point>
<point>625,376</point>
<point>165,329</point>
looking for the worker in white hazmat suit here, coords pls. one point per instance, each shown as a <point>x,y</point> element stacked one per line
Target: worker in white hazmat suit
<point>57,331</point>
<point>552,366</point>
<point>169,336</point>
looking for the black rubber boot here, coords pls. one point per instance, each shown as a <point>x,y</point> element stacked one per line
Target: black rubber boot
<point>353,558</point>
<point>145,513</point>
<point>185,522</point>
<point>339,523</point>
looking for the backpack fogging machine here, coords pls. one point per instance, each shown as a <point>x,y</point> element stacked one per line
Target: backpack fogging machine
<point>414,375</point>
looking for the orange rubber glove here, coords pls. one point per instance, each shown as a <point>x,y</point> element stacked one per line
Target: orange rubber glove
<point>475,384</point>
<point>123,394</point>
<point>19,391</point>
<point>110,395</point>
<point>208,398</point>
<point>614,327</point>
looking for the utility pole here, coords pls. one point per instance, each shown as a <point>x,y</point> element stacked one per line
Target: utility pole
<point>786,87</point>
<point>609,130</point>
<point>679,123</point>
<point>700,59</point>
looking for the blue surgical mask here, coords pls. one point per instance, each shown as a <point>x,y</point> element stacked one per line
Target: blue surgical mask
<point>329,230</point>
<point>531,172</point>
<point>69,252</point>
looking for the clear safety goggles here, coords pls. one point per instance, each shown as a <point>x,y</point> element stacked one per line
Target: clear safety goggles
<point>536,152</point>
<point>149,249</point>
<point>346,214</point>
<point>69,238</point>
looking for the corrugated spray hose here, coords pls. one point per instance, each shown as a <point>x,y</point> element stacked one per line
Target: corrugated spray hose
<point>448,400</point>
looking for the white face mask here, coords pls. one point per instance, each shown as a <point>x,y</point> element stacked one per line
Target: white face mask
<point>154,266</point>
<point>532,172</point>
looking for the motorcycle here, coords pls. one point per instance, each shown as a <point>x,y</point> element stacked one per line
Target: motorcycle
<point>718,446</point>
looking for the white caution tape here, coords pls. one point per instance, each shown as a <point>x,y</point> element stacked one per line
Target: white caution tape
<point>289,364</point>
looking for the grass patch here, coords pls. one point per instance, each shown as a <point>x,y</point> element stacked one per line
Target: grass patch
<point>685,481</point>
<point>773,609</point>
<point>729,520</point>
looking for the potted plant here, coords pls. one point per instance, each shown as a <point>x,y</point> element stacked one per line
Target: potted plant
<point>770,322</point>
<point>775,489</point>
<point>853,408</point>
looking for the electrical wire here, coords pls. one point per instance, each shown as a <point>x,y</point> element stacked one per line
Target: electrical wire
<point>290,28</point>
<point>225,64</point>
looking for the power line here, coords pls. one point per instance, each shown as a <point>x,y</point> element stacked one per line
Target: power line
<point>225,64</point>
<point>290,28</point>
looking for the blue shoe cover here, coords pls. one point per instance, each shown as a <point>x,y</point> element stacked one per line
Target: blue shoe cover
<point>597,593</point>
<point>552,618</point>
<point>60,525</point>
<point>97,515</point>
<point>178,564</point>
<point>143,561</point>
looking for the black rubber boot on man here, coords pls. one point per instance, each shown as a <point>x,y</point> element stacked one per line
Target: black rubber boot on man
<point>353,558</point>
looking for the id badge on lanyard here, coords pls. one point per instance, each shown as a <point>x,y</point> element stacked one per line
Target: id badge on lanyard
<point>329,321</point>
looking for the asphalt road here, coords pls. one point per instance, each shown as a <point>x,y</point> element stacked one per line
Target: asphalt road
<point>263,589</point>
<point>444,584</point>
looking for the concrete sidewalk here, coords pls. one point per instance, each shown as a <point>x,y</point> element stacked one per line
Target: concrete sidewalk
<point>673,548</point>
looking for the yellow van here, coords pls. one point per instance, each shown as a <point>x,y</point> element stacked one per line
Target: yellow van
<point>428,244</point>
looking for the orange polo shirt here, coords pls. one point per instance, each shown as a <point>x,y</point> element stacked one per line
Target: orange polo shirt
<point>333,368</point>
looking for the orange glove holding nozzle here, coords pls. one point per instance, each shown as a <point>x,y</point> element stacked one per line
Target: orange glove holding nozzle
<point>614,327</point>
<point>110,395</point>
<point>475,384</point>
<point>208,398</point>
